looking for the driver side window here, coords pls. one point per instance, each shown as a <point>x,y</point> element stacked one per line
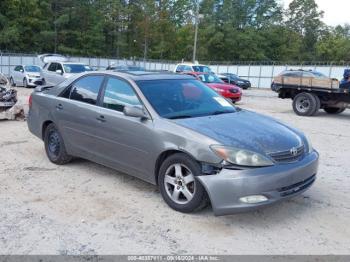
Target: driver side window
<point>52,67</point>
<point>119,94</point>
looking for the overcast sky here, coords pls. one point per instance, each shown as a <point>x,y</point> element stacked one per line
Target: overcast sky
<point>335,11</point>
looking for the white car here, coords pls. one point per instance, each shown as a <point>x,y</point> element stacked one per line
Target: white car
<point>190,67</point>
<point>25,75</point>
<point>55,73</point>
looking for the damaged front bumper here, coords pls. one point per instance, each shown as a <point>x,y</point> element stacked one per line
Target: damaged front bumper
<point>229,189</point>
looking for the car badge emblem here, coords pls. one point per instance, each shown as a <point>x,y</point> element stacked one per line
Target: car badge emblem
<point>294,151</point>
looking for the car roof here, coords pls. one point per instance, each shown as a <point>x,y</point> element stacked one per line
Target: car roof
<point>66,63</point>
<point>191,64</point>
<point>147,75</point>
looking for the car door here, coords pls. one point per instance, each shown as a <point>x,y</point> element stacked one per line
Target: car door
<point>124,142</point>
<point>59,77</point>
<point>20,75</point>
<point>15,74</point>
<point>75,115</point>
<point>50,73</point>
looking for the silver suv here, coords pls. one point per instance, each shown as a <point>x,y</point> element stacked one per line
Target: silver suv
<point>56,72</point>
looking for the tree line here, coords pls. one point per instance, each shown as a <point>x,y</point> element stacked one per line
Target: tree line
<point>229,30</point>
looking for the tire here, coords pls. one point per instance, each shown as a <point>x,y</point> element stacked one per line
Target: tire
<point>334,110</point>
<point>318,105</point>
<point>54,146</point>
<point>12,83</point>
<point>25,83</point>
<point>178,185</point>
<point>305,104</point>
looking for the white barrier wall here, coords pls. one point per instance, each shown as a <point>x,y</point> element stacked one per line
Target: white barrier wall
<point>260,75</point>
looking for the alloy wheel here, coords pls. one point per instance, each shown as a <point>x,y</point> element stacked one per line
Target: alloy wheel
<point>179,183</point>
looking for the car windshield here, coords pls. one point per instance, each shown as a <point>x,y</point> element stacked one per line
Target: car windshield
<point>174,99</point>
<point>209,78</point>
<point>32,69</point>
<point>76,68</point>
<point>203,69</point>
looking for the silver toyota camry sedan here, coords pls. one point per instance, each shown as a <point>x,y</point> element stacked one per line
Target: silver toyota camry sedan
<point>174,132</point>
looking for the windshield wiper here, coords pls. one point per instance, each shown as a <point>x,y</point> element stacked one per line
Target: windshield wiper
<point>179,117</point>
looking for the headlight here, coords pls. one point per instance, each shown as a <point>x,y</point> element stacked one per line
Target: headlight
<point>241,157</point>
<point>309,145</point>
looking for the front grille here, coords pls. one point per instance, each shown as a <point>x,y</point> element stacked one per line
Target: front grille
<point>288,156</point>
<point>234,91</point>
<point>295,188</point>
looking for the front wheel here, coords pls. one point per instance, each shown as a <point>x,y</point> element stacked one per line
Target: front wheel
<point>25,83</point>
<point>334,110</point>
<point>54,146</point>
<point>178,184</point>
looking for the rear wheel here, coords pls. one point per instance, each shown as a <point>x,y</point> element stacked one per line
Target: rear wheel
<point>54,146</point>
<point>178,184</point>
<point>334,110</point>
<point>306,104</point>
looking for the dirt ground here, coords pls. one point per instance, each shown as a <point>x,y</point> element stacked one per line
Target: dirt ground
<point>85,208</point>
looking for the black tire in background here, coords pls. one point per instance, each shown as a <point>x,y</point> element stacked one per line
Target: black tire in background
<point>318,104</point>
<point>25,83</point>
<point>306,104</point>
<point>334,110</point>
<point>199,196</point>
<point>12,83</point>
<point>54,146</point>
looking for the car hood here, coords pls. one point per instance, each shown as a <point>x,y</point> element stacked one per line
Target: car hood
<point>242,80</point>
<point>33,73</point>
<point>245,130</point>
<point>222,86</point>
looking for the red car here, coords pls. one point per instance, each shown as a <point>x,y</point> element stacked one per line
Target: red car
<point>232,92</point>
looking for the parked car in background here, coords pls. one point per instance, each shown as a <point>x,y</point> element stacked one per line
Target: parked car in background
<point>25,75</point>
<point>54,73</point>
<point>190,67</point>
<point>173,131</point>
<point>303,78</point>
<point>229,91</point>
<point>235,80</point>
<point>124,68</point>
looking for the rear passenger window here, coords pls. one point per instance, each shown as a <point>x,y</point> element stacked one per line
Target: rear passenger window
<point>119,94</point>
<point>86,89</point>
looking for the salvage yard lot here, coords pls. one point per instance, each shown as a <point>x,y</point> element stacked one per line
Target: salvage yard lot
<point>85,208</point>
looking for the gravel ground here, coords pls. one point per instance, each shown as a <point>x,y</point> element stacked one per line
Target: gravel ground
<point>85,208</point>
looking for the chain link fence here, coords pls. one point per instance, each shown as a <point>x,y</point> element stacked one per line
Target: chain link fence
<point>259,73</point>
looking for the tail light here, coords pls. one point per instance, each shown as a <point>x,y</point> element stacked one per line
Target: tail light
<point>30,101</point>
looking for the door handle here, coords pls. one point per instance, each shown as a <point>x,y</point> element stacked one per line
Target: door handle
<point>101,119</point>
<point>59,107</point>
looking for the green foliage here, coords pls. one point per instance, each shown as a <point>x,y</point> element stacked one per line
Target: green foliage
<point>230,30</point>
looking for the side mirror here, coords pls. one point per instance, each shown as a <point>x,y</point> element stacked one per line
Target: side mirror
<point>59,71</point>
<point>135,111</point>
<point>22,71</point>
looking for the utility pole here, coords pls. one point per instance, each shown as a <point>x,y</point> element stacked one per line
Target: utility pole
<point>196,33</point>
